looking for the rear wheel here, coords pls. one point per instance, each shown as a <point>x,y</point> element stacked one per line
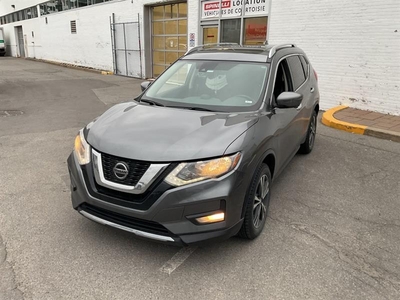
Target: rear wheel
<point>257,203</point>
<point>308,144</point>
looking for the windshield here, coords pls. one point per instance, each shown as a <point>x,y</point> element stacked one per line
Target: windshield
<point>225,86</point>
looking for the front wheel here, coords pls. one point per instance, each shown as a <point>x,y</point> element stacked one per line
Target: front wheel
<point>308,144</point>
<point>257,203</point>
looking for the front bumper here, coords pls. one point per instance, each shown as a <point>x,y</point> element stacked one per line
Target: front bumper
<point>163,213</point>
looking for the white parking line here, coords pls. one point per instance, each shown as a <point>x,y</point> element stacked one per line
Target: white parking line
<point>177,260</point>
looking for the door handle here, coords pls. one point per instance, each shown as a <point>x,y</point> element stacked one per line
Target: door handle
<point>312,90</point>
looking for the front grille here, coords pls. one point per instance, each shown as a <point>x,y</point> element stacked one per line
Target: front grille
<point>127,221</point>
<point>136,169</point>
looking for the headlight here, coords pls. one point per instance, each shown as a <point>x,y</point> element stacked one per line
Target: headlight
<point>82,149</point>
<point>186,173</point>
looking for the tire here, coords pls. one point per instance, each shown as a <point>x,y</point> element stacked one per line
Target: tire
<point>308,144</point>
<point>257,204</point>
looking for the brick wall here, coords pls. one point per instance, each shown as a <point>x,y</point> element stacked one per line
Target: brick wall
<point>353,45</point>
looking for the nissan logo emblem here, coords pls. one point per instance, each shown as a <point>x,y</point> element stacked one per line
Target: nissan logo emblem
<point>121,170</point>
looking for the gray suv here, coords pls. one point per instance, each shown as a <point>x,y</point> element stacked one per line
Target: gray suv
<point>193,158</point>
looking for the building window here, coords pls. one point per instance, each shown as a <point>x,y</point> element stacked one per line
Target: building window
<point>34,12</point>
<point>48,7</point>
<point>242,22</point>
<point>72,4</point>
<point>82,3</point>
<point>255,31</point>
<point>230,31</point>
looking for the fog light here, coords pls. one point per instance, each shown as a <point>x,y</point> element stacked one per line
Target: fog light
<point>217,217</point>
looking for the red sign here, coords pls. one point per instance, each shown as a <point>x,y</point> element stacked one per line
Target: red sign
<point>215,5</point>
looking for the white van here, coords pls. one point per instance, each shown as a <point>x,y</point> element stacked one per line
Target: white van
<point>2,43</point>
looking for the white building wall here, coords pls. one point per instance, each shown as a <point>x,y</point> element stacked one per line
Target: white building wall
<point>28,26</point>
<point>10,37</point>
<point>353,45</point>
<point>91,45</point>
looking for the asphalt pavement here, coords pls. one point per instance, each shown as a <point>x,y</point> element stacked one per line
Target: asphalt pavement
<point>333,231</point>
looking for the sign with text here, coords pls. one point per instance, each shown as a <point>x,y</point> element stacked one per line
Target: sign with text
<point>234,8</point>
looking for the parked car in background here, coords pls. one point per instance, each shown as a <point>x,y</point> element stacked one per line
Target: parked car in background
<point>2,43</point>
<point>194,157</point>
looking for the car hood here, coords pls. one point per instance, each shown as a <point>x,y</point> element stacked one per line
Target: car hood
<point>161,134</point>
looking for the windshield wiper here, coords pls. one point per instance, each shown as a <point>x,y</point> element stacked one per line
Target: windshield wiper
<point>192,108</point>
<point>199,108</point>
<point>151,102</point>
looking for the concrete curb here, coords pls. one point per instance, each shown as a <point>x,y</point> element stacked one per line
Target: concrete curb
<point>329,120</point>
<point>72,66</point>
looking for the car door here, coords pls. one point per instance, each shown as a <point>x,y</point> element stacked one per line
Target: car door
<point>285,118</point>
<point>302,85</point>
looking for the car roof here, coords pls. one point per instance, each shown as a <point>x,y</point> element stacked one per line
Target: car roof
<point>235,52</point>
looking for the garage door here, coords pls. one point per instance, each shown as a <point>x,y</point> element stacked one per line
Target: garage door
<point>169,35</point>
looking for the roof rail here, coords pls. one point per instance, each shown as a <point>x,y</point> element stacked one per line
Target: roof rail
<point>205,46</point>
<point>279,47</point>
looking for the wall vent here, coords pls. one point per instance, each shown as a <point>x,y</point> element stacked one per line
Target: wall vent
<point>73,26</point>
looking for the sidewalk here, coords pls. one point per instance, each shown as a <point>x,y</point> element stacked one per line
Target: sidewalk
<point>363,122</point>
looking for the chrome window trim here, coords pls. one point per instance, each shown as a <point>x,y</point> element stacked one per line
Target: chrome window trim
<point>135,231</point>
<point>147,179</point>
<point>280,60</point>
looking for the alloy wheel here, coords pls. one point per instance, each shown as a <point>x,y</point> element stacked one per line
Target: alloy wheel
<point>313,130</point>
<point>259,206</point>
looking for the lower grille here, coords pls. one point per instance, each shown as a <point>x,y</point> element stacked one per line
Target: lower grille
<point>139,224</point>
<point>135,201</point>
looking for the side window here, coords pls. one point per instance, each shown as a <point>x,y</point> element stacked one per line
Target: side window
<point>283,81</point>
<point>296,69</point>
<point>304,63</point>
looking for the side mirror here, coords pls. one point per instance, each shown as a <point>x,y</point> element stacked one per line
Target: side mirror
<point>289,100</point>
<point>144,85</point>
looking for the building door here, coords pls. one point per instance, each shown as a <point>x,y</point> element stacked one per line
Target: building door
<point>210,35</point>
<point>169,35</point>
<point>20,41</point>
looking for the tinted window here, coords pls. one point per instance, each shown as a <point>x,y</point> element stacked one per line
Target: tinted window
<point>305,65</point>
<point>296,69</point>
<point>230,31</point>
<point>282,80</point>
